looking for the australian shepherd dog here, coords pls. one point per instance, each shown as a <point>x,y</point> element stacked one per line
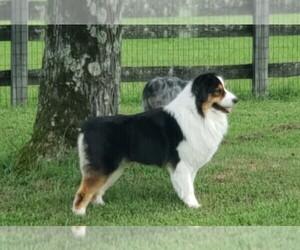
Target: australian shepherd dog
<point>182,137</point>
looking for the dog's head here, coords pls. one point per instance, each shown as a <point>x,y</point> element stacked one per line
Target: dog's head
<point>210,93</point>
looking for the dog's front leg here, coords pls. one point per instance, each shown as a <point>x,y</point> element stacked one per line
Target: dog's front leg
<point>182,179</point>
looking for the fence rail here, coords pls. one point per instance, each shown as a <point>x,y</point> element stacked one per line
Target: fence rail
<point>36,32</point>
<point>143,74</point>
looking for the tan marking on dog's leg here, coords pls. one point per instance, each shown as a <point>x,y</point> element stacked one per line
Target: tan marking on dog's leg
<point>88,187</point>
<point>112,178</point>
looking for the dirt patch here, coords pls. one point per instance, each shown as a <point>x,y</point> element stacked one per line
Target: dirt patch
<point>221,178</point>
<point>261,135</point>
<point>245,138</point>
<point>251,137</point>
<point>228,176</point>
<point>286,127</point>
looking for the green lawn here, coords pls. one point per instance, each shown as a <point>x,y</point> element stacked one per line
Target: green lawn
<point>252,180</point>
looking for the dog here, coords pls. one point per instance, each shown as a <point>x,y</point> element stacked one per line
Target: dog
<point>182,137</point>
<point>160,91</point>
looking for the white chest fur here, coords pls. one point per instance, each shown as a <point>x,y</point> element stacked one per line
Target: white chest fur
<point>202,135</point>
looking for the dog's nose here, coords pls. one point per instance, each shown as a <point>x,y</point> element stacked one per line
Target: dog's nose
<point>235,100</point>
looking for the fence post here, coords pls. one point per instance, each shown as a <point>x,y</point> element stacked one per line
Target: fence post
<point>19,42</point>
<point>260,48</point>
<point>185,11</point>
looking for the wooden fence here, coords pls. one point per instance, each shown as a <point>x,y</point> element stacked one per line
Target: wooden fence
<point>259,70</point>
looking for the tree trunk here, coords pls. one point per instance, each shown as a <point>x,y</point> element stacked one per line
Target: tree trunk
<point>81,79</point>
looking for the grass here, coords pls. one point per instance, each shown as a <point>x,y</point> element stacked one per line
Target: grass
<point>167,238</point>
<point>252,180</point>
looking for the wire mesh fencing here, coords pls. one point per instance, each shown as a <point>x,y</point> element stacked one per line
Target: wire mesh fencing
<point>164,45</point>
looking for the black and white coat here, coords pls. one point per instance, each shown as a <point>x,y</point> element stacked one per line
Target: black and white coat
<point>182,137</point>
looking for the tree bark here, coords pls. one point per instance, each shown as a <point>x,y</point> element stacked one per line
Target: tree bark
<point>81,79</point>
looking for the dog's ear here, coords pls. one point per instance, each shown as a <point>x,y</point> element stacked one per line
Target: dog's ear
<point>200,91</point>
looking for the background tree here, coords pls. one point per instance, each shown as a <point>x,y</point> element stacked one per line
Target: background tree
<point>81,74</point>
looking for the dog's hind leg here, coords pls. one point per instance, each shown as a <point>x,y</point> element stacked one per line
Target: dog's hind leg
<point>112,178</point>
<point>182,179</point>
<point>90,184</point>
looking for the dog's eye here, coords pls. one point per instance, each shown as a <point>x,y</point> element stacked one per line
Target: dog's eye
<point>218,92</point>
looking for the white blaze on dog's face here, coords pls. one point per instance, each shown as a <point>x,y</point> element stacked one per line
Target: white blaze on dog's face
<point>229,98</point>
<point>210,93</point>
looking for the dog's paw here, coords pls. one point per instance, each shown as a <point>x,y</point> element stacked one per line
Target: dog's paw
<point>98,201</point>
<point>191,202</point>
<point>79,212</point>
<point>194,205</point>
